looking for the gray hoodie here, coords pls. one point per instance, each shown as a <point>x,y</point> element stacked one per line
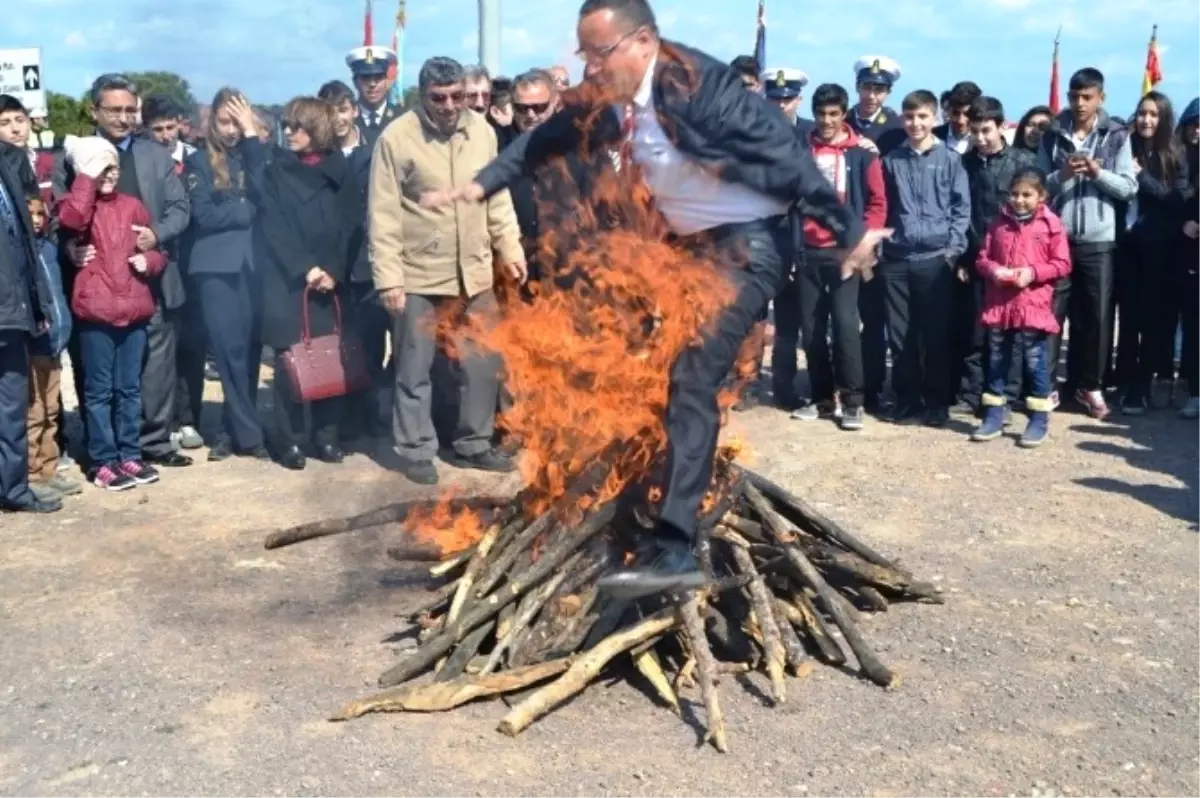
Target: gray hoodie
<point>1091,208</point>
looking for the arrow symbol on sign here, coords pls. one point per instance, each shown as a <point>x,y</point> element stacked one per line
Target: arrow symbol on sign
<point>31,78</point>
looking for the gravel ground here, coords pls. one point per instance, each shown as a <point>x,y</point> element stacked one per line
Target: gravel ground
<point>151,646</point>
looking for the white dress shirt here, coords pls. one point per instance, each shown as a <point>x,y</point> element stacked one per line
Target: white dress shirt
<point>689,194</point>
<point>959,145</point>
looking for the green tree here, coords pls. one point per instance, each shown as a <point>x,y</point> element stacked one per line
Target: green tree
<point>67,116</point>
<point>166,84</point>
<point>411,97</point>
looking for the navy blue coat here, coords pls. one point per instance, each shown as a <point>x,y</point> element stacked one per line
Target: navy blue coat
<point>220,236</point>
<point>928,203</point>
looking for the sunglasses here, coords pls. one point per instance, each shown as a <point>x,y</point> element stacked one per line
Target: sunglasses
<point>479,96</point>
<point>292,124</point>
<point>530,108</point>
<point>441,98</point>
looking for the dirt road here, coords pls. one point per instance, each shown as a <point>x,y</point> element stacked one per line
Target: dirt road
<point>151,646</point>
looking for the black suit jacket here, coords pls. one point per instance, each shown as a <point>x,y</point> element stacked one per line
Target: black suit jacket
<point>702,104</point>
<point>218,239</point>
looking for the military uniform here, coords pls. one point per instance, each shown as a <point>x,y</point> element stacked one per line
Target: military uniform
<point>369,62</point>
<point>782,86</point>
<point>877,70</point>
<point>886,129</point>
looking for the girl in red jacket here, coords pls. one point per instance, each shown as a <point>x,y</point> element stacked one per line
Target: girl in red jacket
<point>1024,253</point>
<point>111,301</point>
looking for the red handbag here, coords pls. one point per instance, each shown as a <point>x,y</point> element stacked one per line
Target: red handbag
<point>328,365</point>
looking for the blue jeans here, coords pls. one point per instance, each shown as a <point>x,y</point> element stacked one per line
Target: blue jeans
<point>1001,345</point>
<point>112,392</point>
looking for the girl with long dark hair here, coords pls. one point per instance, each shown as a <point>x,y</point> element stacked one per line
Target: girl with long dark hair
<point>222,265</point>
<point>1149,306</point>
<point>1033,125</point>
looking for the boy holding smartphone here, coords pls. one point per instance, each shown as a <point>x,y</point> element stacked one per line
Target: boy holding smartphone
<point>1088,164</point>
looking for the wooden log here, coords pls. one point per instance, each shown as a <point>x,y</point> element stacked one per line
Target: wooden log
<point>457,662</point>
<point>502,565</point>
<point>565,605</point>
<point>706,669</point>
<point>530,605</point>
<point>387,514</point>
<point>797,657</point>
<point>441,696</point>
<point>805,515</point>
<point>467,580</point>
<point>825,556</point>
<point>486,609</point>
<point>761,605</point>
<point>744,527</point>
<point>648,664</point>
<point>454,561</point>
<point>803,615</point>
<point>415,552</point>
<point>582,671</point>
<point>435,601</point>
<point>873,598</point>
<point>785,533</point>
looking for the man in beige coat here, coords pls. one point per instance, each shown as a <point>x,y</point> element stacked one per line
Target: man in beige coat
<point>425,258</point>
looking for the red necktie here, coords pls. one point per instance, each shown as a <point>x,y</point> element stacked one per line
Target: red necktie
<point>626,150</point>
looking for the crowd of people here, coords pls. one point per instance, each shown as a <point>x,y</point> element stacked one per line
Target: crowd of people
<point>161,246</point>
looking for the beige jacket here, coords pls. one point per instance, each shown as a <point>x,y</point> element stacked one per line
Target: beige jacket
<point>436,251</point>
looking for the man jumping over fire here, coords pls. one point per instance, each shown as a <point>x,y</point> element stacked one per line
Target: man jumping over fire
<point>724,177</point>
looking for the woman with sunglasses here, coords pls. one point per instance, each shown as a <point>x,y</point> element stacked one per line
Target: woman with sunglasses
<point>307,204</point>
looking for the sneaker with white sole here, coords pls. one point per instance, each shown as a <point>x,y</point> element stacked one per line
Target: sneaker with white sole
<point>1191,408</point>
<point>1094,402</point>
<point>190,437</point>
<point>139,472</point>
<point>111,478</point>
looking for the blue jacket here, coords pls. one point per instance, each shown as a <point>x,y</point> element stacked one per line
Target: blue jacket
<point>928,203</point>
<point>52,342</point>
<point>220,240</point>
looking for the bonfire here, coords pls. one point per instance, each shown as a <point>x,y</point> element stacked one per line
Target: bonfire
<point>517,612</point>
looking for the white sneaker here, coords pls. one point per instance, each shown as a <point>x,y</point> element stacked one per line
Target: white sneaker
<point>1191,408</point>
<point>190,438</point>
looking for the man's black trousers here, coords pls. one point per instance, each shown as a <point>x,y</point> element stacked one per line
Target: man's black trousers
<point>1085,296</point>
<point>757,254</point>
<point>825,295</point>
<point>919,294</point>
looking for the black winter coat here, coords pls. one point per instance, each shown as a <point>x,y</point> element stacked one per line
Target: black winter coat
<point>989,178</point>
<point>306,216</point>
<point>25,297</point>
<point>704,107</point>
<point>219,237</point>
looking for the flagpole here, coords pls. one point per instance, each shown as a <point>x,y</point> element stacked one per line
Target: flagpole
<point>1055,93</point>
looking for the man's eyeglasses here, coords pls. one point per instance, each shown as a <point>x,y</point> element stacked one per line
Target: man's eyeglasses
<point>530,108</point>
<point>479,96</point>
<point>442,98</point>
<point>602,53</point>
<point>117,112</point>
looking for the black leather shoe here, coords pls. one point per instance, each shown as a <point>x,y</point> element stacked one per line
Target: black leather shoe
<point>221,450</point>
<point>255,453</point>
<point>169,460</point>
<point>491,460</point>
<point>422,472</point>
<point>293,459</point>
<point>329,453</point>
<point>937,416</point>
<point>675,568</point>
<point>35,505</point>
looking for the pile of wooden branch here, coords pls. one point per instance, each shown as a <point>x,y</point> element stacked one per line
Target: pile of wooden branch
<point>520,614</point>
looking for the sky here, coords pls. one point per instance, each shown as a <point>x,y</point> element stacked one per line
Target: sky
<point>276,49</point>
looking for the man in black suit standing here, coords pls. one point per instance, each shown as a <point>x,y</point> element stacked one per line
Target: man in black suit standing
<point>21,314</point>
<point>727,175</point>
<point>369,66</point>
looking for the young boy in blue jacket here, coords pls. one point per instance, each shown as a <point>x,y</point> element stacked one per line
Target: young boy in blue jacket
<point>929,207</point>
<point>45,370</point>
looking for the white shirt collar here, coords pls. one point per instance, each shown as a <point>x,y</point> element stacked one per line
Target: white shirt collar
<point>645,92</point>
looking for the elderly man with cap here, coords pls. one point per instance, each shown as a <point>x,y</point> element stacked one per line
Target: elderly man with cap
<point>369,66</point>
<point>874,77</point>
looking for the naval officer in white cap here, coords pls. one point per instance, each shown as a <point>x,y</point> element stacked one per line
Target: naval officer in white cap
<point>370,66</point>
<point>784,86</point>
<point>874,77</point>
